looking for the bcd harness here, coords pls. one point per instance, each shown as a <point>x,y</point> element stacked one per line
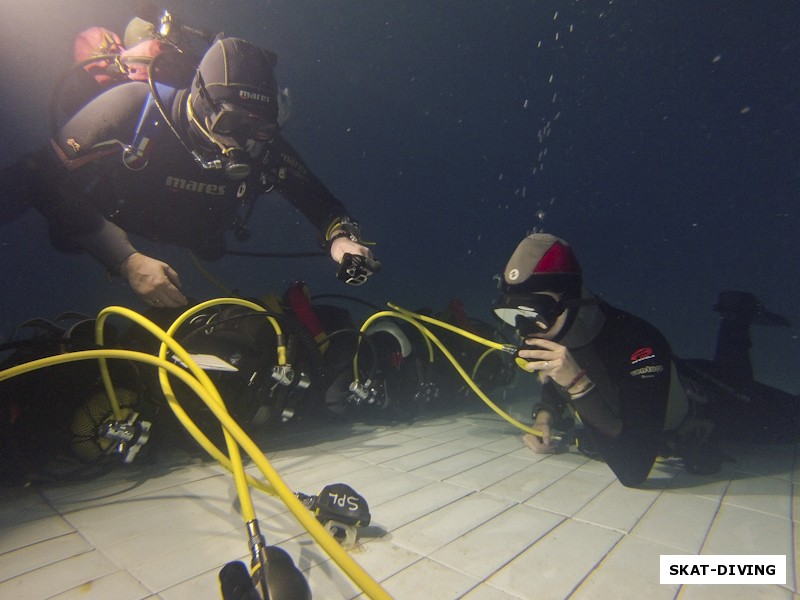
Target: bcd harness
<point>136,155</point>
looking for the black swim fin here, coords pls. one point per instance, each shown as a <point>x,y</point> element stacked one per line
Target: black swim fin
<point>734,304</point>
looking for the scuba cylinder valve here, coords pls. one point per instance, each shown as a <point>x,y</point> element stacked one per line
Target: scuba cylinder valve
<point>362,392</point>
<point>287,376</point>
<point>127,436</point>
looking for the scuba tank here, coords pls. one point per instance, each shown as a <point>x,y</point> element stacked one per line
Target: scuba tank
<point>103,61</point>
<point>56,424</point>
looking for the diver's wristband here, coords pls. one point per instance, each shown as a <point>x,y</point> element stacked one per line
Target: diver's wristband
<point>341,234</point>
<point>583,392</point>
<point>574,382</point>
<point>540,409</point>
<point>343,225</point>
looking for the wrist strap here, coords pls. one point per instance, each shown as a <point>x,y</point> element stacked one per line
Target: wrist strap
<point>347,226</point>
<point>583,392</point>
<point>536,412</point>
<point>572,383</point>
<point>341,234</point>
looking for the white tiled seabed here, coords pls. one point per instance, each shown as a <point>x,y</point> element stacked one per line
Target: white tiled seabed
<point>459,510</point>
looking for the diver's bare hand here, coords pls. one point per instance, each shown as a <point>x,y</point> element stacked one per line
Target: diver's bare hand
<point>344,245</point>
<point>153,280</point>
<point>550,359</point>
<point>541,444</point>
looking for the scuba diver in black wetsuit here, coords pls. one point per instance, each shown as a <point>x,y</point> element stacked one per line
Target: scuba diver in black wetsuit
<point>615,374</point>
<point>175,163</point>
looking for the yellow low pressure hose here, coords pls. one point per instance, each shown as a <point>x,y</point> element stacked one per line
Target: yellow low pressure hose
<point>389,313</point>
<point>202,385</point>
<point>181,415</point>
<point>199,382</point>
<point>480,361</point>
<point>234,458</point>
<point>469,335</point>
<point>188,314</point>
<point>239,476</point>
<point>356,573</point>
<point>413,318</point>
<point>102,355</point>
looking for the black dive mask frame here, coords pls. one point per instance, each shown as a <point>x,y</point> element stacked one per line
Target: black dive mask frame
<point>234,160</point>
<point>231,121</point>
<point>530,314</point>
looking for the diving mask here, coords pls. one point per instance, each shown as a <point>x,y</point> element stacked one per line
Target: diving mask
<point>530,314</point>
<point>231,121</point>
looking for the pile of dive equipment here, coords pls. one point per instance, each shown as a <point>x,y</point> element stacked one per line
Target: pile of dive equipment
<point>78,397</point>
<point>275,362</point>
<point>239,364</point>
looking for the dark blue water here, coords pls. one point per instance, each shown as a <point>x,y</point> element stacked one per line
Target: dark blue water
<point>659,138</point>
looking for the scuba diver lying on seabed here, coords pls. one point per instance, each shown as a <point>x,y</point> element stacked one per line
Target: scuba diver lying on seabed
<point>611,380</point>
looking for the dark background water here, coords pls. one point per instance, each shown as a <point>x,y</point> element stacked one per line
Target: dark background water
<point>659,138</point>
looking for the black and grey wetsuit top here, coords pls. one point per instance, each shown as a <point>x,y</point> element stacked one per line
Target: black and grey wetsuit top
<point>88,193</point>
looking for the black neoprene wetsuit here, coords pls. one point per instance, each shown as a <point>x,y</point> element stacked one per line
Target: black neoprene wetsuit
<point>629,363</point>
<point>90,197</point>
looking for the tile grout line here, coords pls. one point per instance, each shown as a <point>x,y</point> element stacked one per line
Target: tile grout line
<point>720,503</point>
<point>583,580</point>
<point>564,519</point>
<point>713,525</point>
<point>485,580</point>
<point>625,533</point>
<point>622,537</point>
<point>480,464</point>
<point>710,527</point>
